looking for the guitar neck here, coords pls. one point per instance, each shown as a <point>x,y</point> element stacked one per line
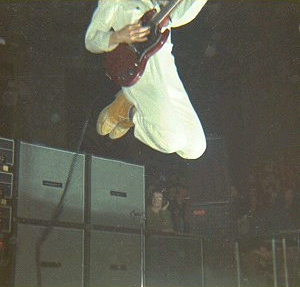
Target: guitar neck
<point>164,12</point>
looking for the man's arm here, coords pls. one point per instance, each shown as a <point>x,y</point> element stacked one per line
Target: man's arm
<point>99,32</point>
<point>101,38</point>
<point>186,11</point>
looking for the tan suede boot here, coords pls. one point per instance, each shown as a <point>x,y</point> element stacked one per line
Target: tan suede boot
<point>120,130</point>
<point>115,113</point>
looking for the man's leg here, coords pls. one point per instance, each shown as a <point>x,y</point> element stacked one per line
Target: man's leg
<point>170,129</point>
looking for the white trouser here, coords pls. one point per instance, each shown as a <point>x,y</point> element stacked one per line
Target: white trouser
<point>165,118</point>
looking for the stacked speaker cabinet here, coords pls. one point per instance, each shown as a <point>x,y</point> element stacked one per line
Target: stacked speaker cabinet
<point>115,259</point>
<point>117,208</point>
<point>43,175</point>
<point>61,256</point>
<point>174,260</point>
<point>211,219</point>
<point>117,193</point>
<point>209,185</point>
<point>7,151</point>
<point>42,179</point>
<point>95,238</point>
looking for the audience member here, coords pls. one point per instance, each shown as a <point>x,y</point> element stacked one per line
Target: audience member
<point>158,217</point>
<point>180,207</point>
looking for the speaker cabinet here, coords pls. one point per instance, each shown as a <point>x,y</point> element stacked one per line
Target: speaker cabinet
<point>117,193</point>
<point>115,259</point>
<point>173,260</point>
<point>61,257</point>
<point>211,220</point>
<point>43,173</point>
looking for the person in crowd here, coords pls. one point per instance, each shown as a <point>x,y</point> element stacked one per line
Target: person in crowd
<point>180,207</point>
<point>158,217</point>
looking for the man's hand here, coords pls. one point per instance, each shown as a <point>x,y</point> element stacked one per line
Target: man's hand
<point>130,34</point>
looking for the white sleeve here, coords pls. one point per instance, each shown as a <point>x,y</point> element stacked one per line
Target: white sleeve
<point>186,11</point>
<point>100,29</point>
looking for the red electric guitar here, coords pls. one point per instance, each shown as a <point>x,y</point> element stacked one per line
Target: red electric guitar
<point>125,64</point>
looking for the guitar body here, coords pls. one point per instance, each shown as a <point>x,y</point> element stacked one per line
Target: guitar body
<point>125,64</point>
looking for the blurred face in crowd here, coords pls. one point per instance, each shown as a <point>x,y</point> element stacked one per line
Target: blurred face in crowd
<point>157,200</point>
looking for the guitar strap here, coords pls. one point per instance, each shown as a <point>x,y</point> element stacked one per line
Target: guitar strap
<point>156,4</point>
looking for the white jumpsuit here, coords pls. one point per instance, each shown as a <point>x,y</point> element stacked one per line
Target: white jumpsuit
<point>164,119</point>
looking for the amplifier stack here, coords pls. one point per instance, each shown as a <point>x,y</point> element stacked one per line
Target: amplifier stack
<point>66,218</point>
<point>74,219</point>
<point>7,151</point>
<point>7,162</point>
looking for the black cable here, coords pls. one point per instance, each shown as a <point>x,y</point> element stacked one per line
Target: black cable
<point>59,207</point>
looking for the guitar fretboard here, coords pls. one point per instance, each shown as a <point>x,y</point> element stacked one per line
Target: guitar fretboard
<point>165,11</point>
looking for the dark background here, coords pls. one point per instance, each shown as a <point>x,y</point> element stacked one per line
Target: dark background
<point>239,61</point>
